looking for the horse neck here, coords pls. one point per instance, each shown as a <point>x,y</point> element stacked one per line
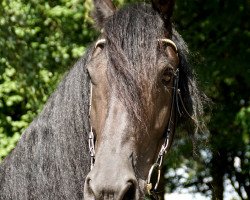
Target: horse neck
<point>52,151</point>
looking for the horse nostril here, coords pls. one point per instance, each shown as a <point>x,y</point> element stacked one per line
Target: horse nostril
<point>128,193</point>
<point>88,191</point>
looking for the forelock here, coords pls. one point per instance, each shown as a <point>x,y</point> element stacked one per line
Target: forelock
<point>131,35</point>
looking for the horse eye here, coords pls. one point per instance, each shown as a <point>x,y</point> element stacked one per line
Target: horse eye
<point>167,76</point>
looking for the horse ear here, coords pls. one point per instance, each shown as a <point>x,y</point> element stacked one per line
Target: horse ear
<point>103,10</point>
<point>164,7</point>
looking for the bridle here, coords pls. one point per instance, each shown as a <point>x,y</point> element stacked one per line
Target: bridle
<point>157,166</point>
<point>91,134</point>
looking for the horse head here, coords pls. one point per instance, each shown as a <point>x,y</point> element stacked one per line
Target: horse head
<point>133,94</point>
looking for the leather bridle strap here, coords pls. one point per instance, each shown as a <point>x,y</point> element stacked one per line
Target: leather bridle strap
<point>91,134</point>
<point>91,140</point>
<point>157,166</point>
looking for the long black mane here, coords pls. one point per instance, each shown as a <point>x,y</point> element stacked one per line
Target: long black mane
<point>51,159</point>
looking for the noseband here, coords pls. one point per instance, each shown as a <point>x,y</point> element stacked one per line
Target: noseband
<point>157,166</point>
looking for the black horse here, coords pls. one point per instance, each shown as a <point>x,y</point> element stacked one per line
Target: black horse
<point>104,131</point>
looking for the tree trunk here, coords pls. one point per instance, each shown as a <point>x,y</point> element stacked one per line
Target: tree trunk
<point>218,163</point>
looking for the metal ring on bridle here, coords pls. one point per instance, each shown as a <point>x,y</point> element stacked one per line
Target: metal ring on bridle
<point>150,187</point>
<point>100,41</point>
<point>168,41</point>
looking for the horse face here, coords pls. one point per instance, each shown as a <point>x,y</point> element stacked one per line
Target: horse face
<point>126,145</point>
<point>126,148</point>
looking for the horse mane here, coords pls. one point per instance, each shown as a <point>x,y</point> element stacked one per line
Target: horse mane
<point>192,100</point>
<point>51,159</point>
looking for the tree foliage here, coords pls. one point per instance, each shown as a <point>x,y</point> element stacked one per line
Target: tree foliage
<point>219,31</point>
<point>40,40</point>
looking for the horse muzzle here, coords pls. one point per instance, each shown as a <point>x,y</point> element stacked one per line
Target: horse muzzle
<point>112,176</point>
<point>111,181</point>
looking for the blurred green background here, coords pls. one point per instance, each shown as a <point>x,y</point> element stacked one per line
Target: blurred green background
<point>40,40</point>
